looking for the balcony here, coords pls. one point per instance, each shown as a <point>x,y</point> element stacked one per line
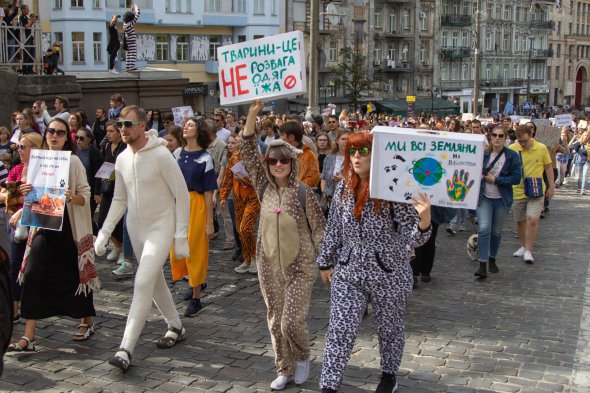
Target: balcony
<point>455,20</point>
<point>394,66</point>
<point>541,53</point>
<point>143,4</point>
<point>400,33</point>
<point>455,52</point>
<point>542,24</point>
<point>324,28</point>
<point>516,82</point>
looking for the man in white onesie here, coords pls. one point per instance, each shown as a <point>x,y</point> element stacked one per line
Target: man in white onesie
<point>150,186</point>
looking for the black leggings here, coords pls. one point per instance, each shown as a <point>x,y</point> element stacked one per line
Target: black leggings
<point>422,264</point>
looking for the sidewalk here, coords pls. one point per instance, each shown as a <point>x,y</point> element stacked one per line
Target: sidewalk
<point>516,331</point>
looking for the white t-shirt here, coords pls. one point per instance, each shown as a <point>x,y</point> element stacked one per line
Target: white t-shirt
<point>223,134</point>
<point>338,165</point>
<point>491,190</point>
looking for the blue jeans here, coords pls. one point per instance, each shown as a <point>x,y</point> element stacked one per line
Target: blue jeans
<point>491,214</point>
<point>232,213</point>
<point>460,218</point>
<point>127,247</point>
<point>582,172</point>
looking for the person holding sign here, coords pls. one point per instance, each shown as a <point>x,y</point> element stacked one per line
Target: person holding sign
<point>58,272</point>
<point>149,183</point>
<point>501,172</point>
<point>289,236</point>
<point>365,256</point>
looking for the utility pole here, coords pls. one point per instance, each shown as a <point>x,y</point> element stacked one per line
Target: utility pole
<point>312,89</point>
<point>476,59</point>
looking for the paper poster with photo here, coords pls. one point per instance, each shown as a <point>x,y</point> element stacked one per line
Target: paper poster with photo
<point>563,120</point>
<point>266,68</point>
<point>48,173</point>
<point>106,171</point>
<point>182,114</point>
<point>445,166</point>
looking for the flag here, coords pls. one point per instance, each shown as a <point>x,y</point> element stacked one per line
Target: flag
<point>508,108</point>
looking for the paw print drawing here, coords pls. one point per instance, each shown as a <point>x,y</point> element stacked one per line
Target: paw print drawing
<point>395,181</point>
<point>408,196</point>
<point>390,168</point>
<point>62,183</point>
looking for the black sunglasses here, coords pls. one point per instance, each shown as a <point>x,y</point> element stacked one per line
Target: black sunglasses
<point>275,161</point>
<point>127,123</point>
<point>80,138</point>
<point>54,131</point>
<point>497,135</point>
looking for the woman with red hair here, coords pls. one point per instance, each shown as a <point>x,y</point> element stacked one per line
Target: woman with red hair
<point>365,255</point>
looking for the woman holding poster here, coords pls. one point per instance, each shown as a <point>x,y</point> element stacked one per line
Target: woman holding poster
<point>364,256</point>
<point>58,272</point>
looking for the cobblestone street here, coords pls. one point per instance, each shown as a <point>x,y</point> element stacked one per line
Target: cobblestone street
<point>517,331</point>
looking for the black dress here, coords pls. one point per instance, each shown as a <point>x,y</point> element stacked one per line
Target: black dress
<point>52,277</point>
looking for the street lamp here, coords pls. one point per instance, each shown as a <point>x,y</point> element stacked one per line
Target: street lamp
<point>528,79</point>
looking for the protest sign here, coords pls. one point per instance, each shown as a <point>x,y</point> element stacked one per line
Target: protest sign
<point>105,171</point>
<point>240,170</point>
<point>563,120</point>
<point>524,119</point>
<point>269,67</point>
<point>466,116</point>
<point>583,124</point>
<point>446,166</point>
<point>182,114</point>
<point>547,135</point>
<point>48,173</point>
<point>486,120</point>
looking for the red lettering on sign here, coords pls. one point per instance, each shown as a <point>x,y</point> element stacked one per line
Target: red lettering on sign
<point>290,82</point>
<point>234,81</point>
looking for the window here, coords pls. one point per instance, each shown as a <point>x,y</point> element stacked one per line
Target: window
<point>182,48</point>
<point>257,36</point>
<point>549,71</point>
<point>444,72</point>
<point>505,42</point>
<point>445,39</point>
<point>540,71</point>
<point>423,48</point>
<point>392,22</point>
<point>558,27</point>
<point>97,4</point>
<point>214,42</point>
<point>241,6</point>
<point>333,51</point>
<point>273,8</point>
<point>168,6</point>
<point>569,72</point>
<point>488,41</point>
<point>506,74</point>
<point>455,39</point>
<point>517,71</point>
<point>78,47</point>
<point>213,6</point>
<point>455,71</point>
<point>516,44</point>
<point>97,47</point>
<point>506,13</point>
<point>391,54</point>
<point>57,4</point>
<point>241,38</point>
<point>178,6</point>
<point>465,72</point>
<point>424,21</point>
<point>465,8</point>
<point>517,14</point>
<point>162,47</point>
<point>406,19</point>
<point>488,74</point>
<point>559,50</point>
<point>465,40</point>
<point>77,3</point>
<point>59,37</point>
<point>377,54</point>
<point>259,7</point>
<point>557,71</point>
<point>378,20</point>
<point>188,8</point>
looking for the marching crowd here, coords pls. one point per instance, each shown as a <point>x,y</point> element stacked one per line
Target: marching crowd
<point>291,196</point>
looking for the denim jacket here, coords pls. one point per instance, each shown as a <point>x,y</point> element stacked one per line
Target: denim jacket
<point>510,174</point>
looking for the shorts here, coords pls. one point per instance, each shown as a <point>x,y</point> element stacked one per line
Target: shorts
<point>527,207</point>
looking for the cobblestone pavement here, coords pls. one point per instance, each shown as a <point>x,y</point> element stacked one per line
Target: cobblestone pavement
<point>516,331</point>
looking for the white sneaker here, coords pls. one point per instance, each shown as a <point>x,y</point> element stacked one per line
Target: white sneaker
<point>253,269</point>
<point>243,268</point>
<point>519,253</point>
<point>301,372</point>
<point>113,71</point>
<point>280,382</point>
<point>121,259</point>
<point>114,254</point>
<point>125,270</point>
<point>528,257</point>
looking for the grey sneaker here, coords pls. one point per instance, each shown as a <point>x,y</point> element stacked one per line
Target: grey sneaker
<point>243,268</point>
<point>253,268</point>
<point>125,270</point>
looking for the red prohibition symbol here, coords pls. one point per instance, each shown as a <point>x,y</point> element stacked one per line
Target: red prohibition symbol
<point>290,81</point>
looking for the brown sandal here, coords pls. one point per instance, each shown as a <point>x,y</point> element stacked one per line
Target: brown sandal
<point>171,337</point>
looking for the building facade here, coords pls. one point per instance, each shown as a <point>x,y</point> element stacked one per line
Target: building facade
<point>568,70</point>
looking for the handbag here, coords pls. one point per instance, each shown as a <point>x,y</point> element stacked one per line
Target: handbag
<point>533,186</point>
<point>107,187</point>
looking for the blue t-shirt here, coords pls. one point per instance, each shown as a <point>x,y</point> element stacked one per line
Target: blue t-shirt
<point>198,170</point>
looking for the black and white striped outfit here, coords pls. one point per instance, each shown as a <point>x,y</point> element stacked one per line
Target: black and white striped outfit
<point>131,41</point>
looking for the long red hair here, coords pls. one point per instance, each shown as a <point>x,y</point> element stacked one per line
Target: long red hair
<point>355,185</point>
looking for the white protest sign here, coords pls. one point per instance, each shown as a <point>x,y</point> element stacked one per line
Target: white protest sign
<point>182,114</point>
<point>466,116</point>
<point>48,173</point>
<point>105,171</point>
<point>446,166</point>
<point>15,137</point>
<point>547,135</point>
<point>240,169</point>
<point>524,119</point>
<point>563,120</point>
<point>269,67</point>
<point>583,124</point>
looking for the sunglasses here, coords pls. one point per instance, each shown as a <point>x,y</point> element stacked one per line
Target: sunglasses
<point>275,161</point>
<point>54,131</point>
<point>21,147</point>
<point>81,138</point>
<point>363,151</point>
<point>127,123</point>
<point>497,135</point>
<point>332,122</point>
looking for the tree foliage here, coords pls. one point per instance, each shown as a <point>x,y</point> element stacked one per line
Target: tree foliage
<point>351,74</point>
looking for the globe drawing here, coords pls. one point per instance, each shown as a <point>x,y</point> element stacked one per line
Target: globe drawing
<point>427,171</point>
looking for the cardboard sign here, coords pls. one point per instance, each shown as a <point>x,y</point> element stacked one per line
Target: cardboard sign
<point>563,120</point>
<point>466,116</point>
<point>547,135</point>
<point>182,114</point>
<point>106,171</point>
<point>446,166</point>
<point>48,173</point>
<point>269,67</point>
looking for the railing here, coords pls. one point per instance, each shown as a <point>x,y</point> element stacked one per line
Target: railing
<point>455,20</point>
<point>143,4</point>
<point>542,24</point>
<point>21,46</point>
<point>455,52</point>
<point>542,53</point>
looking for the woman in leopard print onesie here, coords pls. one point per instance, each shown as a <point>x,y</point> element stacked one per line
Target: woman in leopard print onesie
<point>364,256</point>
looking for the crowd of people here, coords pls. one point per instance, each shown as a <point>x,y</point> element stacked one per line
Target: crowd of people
<point>289,195</point>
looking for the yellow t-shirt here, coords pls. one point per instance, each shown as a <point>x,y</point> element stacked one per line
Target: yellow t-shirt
<point>534,161</point>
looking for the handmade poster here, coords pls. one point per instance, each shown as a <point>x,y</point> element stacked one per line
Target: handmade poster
<point>269,67</point>
<point>240,169</point>
<point>524,120</point>
<point>466,116</point>
<point>445,166</point>
<point>583,124</point>
<point>547,135</point>
<point>182,114</point>
<point>486,120</point>
<point>563,120</point>
<point>105,171</point>
<point>48,173</point>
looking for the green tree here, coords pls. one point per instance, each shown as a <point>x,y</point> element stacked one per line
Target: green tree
<point>351,74</point>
